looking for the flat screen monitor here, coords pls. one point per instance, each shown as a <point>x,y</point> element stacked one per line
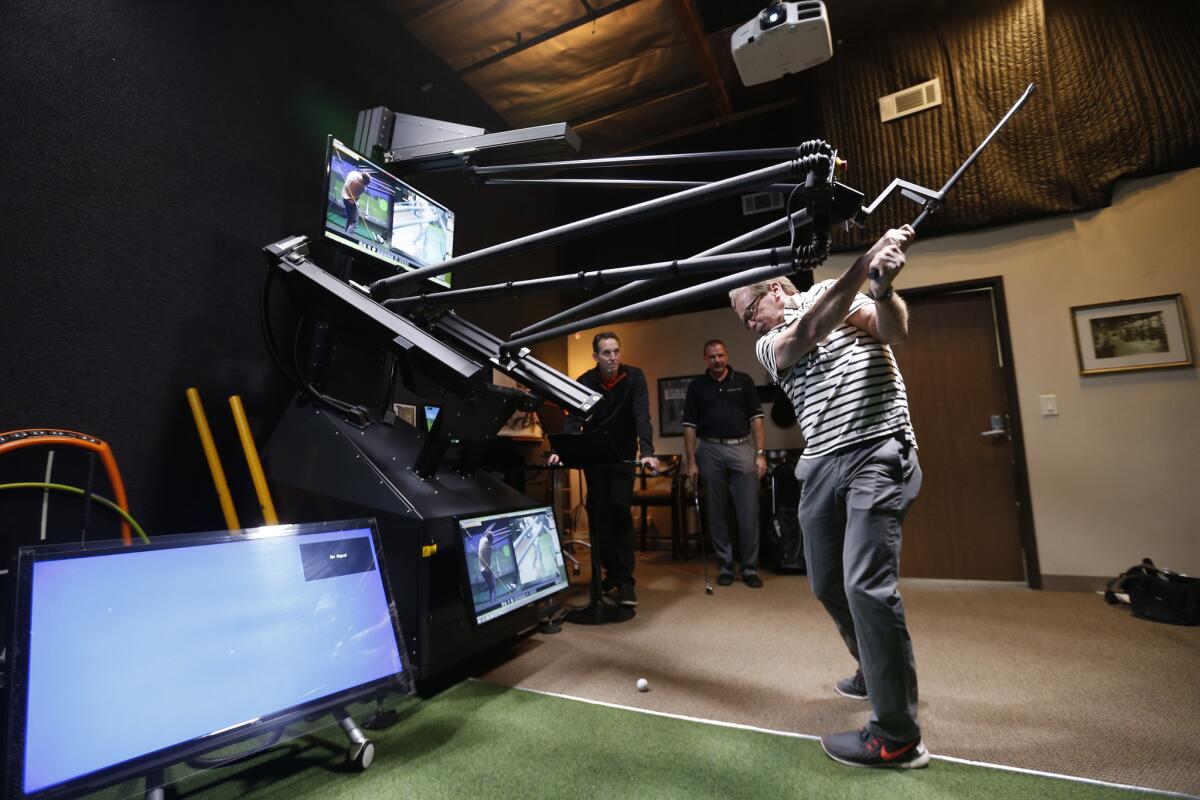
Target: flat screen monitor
<point>512,559</point>
<point>381,216</point>
<point>129,659</point>
<point>431,414</point>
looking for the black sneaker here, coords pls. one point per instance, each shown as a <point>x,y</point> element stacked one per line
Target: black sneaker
<point>862,748</point>
<point>752,580</point>
<point>626,596</point>
<point>725,579</point>
<point>854,687</point>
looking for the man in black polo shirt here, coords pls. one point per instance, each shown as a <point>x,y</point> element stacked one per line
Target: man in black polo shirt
<point>721,411</point>
<point>625,416</point>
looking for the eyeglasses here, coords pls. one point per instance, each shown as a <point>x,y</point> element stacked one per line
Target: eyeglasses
<point>750,311</point>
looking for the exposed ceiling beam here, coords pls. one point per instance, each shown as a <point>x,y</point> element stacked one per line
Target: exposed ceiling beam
<point>716,122</point>
<point>590,15</point>
<point>600,115</point>
<point>685,10</point>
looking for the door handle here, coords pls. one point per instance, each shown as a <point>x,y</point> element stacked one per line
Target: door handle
<point>998,431</point>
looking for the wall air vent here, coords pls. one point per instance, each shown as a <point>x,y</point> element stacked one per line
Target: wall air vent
<point>911,100</point>
<point>761,201</point>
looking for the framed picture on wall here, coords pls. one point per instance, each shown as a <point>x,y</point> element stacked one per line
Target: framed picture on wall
<point>671,394</point>
<point>1148,333</point>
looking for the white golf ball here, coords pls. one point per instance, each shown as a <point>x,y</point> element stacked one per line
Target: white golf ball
<point>643,685</point>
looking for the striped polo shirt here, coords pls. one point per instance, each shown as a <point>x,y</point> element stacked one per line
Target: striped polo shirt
<point>847,389</point>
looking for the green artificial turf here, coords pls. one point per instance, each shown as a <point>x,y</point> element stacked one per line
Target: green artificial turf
<point>482,742</point>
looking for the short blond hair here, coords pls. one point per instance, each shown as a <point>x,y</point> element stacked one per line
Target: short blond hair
<point>762,287</point>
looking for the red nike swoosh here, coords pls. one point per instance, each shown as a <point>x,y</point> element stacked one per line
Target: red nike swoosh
<point>887,755</point>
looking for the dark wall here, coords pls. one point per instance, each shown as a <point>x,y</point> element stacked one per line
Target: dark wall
<point>150,151</point>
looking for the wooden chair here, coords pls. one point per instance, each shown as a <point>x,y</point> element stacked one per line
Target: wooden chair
<point>661,489</point>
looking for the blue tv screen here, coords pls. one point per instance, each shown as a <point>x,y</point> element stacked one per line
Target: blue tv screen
<point>378,215</point>
<point>512,559</point>
<point>132,658</point>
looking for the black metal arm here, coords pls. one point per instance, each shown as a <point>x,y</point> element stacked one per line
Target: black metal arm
<point>812,157</point>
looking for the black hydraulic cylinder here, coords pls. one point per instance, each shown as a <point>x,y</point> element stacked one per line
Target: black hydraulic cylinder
<point>618,183</point>
<point>649,208</point>
<point>771,229</point>
<point>760,154</point>
<point>655,304</point>
<point>697,265</point>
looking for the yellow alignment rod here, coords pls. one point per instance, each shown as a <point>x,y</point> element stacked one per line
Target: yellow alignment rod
<point>214,461</point>
<point>256,471</point>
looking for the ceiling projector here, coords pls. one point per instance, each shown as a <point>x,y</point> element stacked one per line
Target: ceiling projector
<point>784,38</point>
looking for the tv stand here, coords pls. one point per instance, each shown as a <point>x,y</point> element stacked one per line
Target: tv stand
<point>361,754</point>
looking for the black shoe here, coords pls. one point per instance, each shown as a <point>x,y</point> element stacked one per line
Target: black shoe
<point>752,580</point>
<point>854,687</point>
<point>862,748</point>
<point>607,585</point>
<point>626,596</point>
<point>725,579</point>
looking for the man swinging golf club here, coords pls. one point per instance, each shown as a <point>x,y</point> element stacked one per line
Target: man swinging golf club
<point>828,348</point>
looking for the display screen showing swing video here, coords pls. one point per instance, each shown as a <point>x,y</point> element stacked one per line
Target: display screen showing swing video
<point>130,659</point>
<point>512,559</point>
<point>381,216</point>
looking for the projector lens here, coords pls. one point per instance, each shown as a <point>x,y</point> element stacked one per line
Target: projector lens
<point>772,15</point>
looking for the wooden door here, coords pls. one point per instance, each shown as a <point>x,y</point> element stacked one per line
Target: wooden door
<point>965,522</point>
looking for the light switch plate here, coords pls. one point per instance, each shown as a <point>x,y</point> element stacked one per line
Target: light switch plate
<point>1049,405</point>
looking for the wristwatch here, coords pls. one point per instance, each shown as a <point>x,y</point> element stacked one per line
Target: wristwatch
<point>884,296</point>
<point>760,452</point>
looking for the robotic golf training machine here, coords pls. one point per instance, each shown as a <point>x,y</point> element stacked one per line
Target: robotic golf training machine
<point>332,459</point>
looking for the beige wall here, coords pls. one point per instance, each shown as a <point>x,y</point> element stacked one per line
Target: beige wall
<point>1113,478</point>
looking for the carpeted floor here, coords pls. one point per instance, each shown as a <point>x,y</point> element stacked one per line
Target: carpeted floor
<point>1049,681</point>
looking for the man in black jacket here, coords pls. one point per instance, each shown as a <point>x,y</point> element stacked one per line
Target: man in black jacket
<point>626,417</point>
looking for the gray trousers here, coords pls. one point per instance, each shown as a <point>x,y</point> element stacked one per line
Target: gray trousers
<point>852,504</point>
<point>728,471</point>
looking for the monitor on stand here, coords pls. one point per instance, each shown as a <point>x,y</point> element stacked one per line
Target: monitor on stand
<point>376,214</point>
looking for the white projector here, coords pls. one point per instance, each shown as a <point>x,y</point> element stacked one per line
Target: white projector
<point>785,38</point>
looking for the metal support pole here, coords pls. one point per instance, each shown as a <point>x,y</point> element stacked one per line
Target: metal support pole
<point>698,265</point>
<point>649,208</point>
<point>760,154</point>
<point>768,231</point>
<point>655,304</point>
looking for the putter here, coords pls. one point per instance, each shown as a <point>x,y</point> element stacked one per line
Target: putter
<point>700,526</point>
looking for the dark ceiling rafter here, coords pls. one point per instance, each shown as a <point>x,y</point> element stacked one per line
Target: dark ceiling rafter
<point>600,115</point>
<point>590,15</point>
<point>715,122</point>
<point>693,28</point>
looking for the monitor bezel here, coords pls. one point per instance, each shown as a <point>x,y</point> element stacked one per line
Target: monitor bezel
<point>148,764</point>
<point>357,247</point>
<point>465,573</point>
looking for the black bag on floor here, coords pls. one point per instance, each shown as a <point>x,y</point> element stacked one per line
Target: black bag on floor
<point>1158,594</point>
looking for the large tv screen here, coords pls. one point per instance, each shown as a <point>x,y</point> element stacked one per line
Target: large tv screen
<point>128,659</point>
<point>381,216</point>
<point>512,559</point>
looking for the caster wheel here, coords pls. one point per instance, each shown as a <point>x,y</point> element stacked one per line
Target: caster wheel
<point>362,755</point>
